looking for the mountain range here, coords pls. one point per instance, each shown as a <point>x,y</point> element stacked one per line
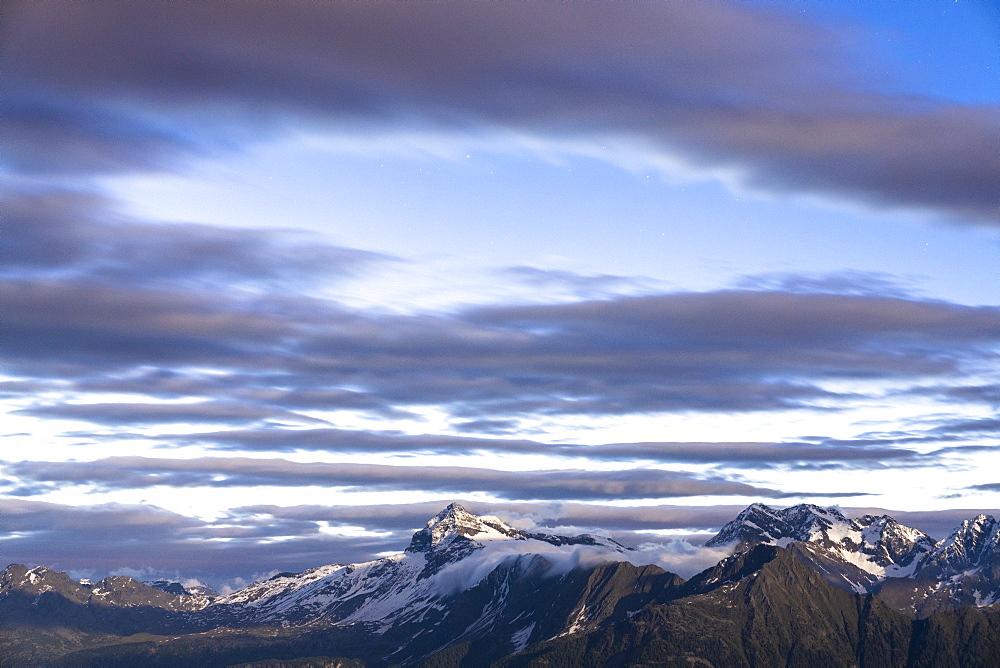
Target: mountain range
<point>803,585</point>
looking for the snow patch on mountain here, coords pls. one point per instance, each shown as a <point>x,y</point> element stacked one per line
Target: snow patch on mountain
<point>520,639</point>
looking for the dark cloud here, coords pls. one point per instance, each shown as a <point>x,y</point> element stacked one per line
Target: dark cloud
<point>717,351</point>
<point>987,394</point>
<point>749,455</point>
<point>189,413</point>
<point>743,455</point>
<point>77,328</point>
<point>950,428</point>
<point>356,441</point>
<point>15,388</point>
<point>724,87</point>
<point>986,487</point>
<point>65,233</point>
<point>259,390</point>
<point>495,427</point>
<point>140,472</point>
<point>764,318</point>
<point>580,285</point>
<point>48,135</point>
<point>862,283</point>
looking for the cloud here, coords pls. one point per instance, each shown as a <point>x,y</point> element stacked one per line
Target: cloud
<point>986,487</point>
<point>189,413</point>
<point>982,393</point>
<point>149,542</point>
<point>740,454</point>
<point>496,427</point>
<point>735,350</point>
<point>177,311</point>
<point>79,234</point>
<point>760,99</point>
<point>675,556</point>
<point>861,283</point>
<point>60,328</point>
<point>141,472</point>
<point>580,286</point>
<point>48,135</point>
<point>951,429</point>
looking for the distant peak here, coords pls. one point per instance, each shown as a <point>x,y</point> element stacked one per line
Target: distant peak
<point>790,514</point>
<point>759,523</point>
<point>456,524</point>
<point>756,509</point>
<point>451,511</point>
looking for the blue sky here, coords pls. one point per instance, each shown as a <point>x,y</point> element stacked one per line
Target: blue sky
<point>281,279</point>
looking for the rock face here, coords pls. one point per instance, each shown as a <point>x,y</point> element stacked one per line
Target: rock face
<point>804,585</point>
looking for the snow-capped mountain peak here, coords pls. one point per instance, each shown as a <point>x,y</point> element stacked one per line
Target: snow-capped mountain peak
<point>454,525</point>
<point>854,554</point>
<point>976,543</point>
<point>401,588</point>
<point>759,523</point>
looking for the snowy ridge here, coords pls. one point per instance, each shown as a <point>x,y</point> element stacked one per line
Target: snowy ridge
<point>876,554</point>
<point>404,588</point>
<point>115,591</point>
<point>975,544</point>
<point>377,591</point>
<point>854,554</point>
<point>465,577</point>
<point>963,569</point>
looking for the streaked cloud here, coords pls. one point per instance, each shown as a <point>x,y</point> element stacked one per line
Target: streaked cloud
<point>139,472</point>
<point>713,351</point>
<point>189,413</point>
<point>764,100</point>
<point>79,234</point>
<point>743,455</point>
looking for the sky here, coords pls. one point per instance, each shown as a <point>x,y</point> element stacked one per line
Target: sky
<point>280,280</point>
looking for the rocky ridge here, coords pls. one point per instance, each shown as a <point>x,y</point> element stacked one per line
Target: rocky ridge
<point>473,588</point>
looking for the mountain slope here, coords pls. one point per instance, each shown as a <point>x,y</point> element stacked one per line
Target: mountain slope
<point>761,607</point>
